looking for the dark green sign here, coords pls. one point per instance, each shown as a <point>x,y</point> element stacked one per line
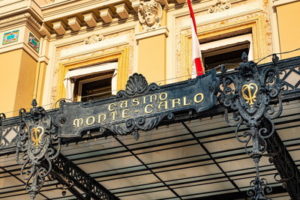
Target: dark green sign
<point>139,107</point>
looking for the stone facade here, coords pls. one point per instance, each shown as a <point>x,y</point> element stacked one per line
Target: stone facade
<point>146,36</point>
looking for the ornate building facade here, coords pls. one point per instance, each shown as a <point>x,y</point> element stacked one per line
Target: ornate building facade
<point>81,50</point>
<point>47,39</point>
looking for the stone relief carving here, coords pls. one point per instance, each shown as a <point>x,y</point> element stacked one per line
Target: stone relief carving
<point>150,13</point>
<point>93,39</point>
<point>219,6</point>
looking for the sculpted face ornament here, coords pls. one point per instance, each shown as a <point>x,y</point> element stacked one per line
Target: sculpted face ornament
<point>150,14</point>
<point>249,92</point>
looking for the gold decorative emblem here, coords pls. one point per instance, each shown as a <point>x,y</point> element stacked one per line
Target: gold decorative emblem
<point>37,135</point>
<point>249,92</point>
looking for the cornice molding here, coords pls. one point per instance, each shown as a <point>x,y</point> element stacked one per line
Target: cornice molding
<point>147,34</point>
<point>277,3</point>
<point>85,14</point>
<point>15,7</point>
<point>88,48</point>
<point>24,19</point>
<point>20,13</point>
<point>17,20</point>
<point>58,11</point>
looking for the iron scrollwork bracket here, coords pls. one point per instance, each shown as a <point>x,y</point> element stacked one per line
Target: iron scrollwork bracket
<point>248,94</point>
<point>38,145</point>
<point>136,85</point>
<point>3,141</point>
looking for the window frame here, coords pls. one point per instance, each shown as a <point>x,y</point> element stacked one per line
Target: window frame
<point>230,41</point>
<point>89,80</point>
<point>121,55</point>
<point>98,68</point>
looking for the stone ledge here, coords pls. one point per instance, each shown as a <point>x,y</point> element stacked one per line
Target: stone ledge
<point>147,34</point>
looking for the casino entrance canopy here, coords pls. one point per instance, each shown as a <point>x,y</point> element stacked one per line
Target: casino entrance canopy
<point>161,142</point>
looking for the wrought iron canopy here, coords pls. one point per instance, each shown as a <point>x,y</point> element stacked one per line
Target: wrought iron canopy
<point>248,93</point>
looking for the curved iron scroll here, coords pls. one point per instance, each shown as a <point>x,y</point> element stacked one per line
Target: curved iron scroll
<point>248,95</point>
<point>35,147</point>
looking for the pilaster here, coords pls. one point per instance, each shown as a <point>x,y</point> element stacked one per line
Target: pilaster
<point>151,41</point>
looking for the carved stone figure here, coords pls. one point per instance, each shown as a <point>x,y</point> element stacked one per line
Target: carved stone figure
<point>93,39</point>
<point>150,14</point>
<point>219,6</point>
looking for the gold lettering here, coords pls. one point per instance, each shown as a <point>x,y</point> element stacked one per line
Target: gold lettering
<point>78,122</point>
<point>175,101</point>
<point>198,98</point>
<point>144,99</point>
<point>112,107</point>
<point>124,104</point>
<point>163,96</point>
<point>101,118</point>
<point>135,102</point>
<point>151,97</point>
<point>185,103</point>
<point>163,104</point>
<point>150,110</point>
<point>125,113</point>
<point>90,120</point>
<point>113,115</point>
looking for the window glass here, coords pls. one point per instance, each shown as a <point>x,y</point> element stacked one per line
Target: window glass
<point>230,56</point>
<point>94,87</point>
<point>226,51</point>
<point>91,82</point>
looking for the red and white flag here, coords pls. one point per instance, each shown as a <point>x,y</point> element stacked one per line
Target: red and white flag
<point>196,54</point>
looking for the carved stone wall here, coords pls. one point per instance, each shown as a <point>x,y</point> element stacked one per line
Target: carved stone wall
<point>85,50</point>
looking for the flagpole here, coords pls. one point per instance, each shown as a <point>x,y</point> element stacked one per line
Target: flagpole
<point>196,54</point>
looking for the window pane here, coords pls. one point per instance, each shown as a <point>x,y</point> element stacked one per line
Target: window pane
<point>230,56</point>
<point>93,87</point>
<point>96,89</point>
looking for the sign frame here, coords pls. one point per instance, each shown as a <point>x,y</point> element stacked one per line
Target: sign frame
<point>140,107</point>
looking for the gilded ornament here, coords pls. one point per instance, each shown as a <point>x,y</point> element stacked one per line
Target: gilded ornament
<point>249,92</point>
<point>37,135</point>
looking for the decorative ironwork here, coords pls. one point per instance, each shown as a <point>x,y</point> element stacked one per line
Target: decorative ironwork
<point>74,176</point>
<point>289,70</point>
<point>248,94</point>
<point>37,137</point>
<point>259,188</point>
<point>8,135</point>
<point>288,173</point>
<point>289,76</point>
<point>137,85</point>
<point>3,140</point>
